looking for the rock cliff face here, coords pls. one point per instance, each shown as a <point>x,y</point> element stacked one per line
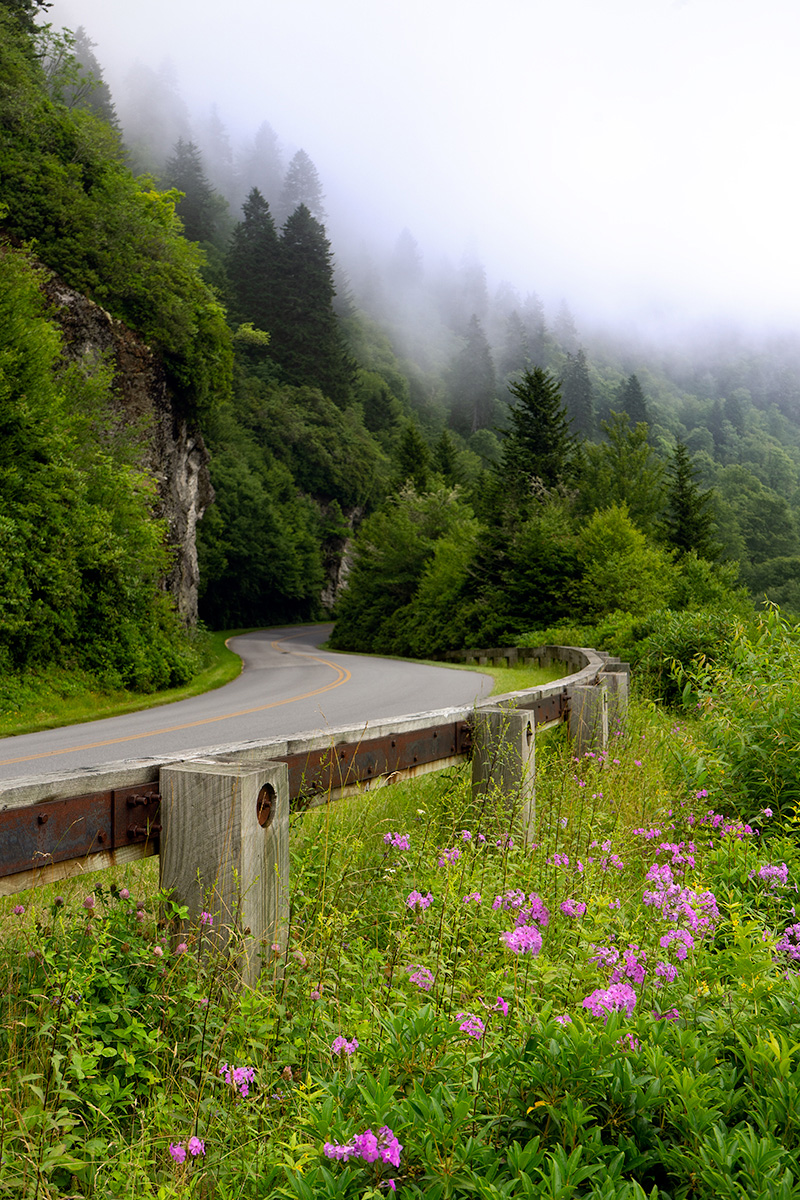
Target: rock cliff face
<point>173,452</point>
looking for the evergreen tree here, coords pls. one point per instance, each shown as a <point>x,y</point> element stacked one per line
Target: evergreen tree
<point>252,263</point>
<point>306,338</point>
<point>540,443</point>
<point>201,209</point>
<point>689,521</point>
<point>412,459</point>
<point>472,384</point>
<point>445,459</point>
<point>515,351</point>
<point>623,471</point>
<point>577,391</point>
<point>261,166</point>
<point>564,329</point>
<point>302,186</point>
<point>405,267</point>
<point>632,401</point>
<point>534,320</point>
<point>23,14</point>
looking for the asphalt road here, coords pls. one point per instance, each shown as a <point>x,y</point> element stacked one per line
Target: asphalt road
<point>288,686</point>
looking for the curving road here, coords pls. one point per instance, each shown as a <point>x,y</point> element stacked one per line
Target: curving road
<point>288,686</point>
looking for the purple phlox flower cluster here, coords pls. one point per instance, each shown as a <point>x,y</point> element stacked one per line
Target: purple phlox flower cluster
<point>619,997</point>
<point>206,918</point>
<point>679,904</point>
<point>196,1146</point>
<point>448,856</point>
<point>766,812</point>
<point>667,971</point>
<point>682,854</point>
<point>671,1014</point>
<point>470,1024</point>
<point>604,955</point>
<point>648,834</point>
<point>684,942</point>
<point>534,910</point>
<point>559,860</point>
<point>505,843</point>
<point>472,898</point>
<point>775,876</point>
<point>789,942</point>
<point>466,836</point>
<point>513,899</point>
<point>422,977</point>
<point>631,967</point>
<point>524,939</point>
<point>629,1042</point>
<point>417,900</point>
<point>368,1146</point>
<point>239,1078</point>
<point>500,1005</point>
<point>735,829</point>
<point>341,1045</point>
<point>572,908</point>
<point>400,841</point>
<point>564,1019</point>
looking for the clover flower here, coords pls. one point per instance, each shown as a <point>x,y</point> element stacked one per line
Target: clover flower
<point>19,910</point>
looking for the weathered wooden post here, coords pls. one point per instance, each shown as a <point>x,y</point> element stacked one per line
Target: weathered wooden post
<point>225,851</point>
<point>504,759</point>
<point>588,718</point>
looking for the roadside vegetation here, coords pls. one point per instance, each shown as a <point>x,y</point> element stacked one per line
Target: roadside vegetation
<point>610,1011</point>
<point>49,697</point>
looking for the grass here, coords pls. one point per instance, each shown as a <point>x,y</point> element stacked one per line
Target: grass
<point>646,1043</point>
<point>56,697</point>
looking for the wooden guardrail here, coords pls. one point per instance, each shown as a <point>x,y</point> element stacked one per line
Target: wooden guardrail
<point>219,818</point>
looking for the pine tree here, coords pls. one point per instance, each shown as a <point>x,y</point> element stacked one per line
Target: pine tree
<point>445,459</point>
<point>306,339</point>
<point>632,401</point>
<point>252,263</point>
<point>689,522</point>
<point>472,386</point>
<point>540,443</point>
<point>302,186</point>
<point>201,209</point>
<point>412,459</point>
<point>576,388</point>
<point>261,166</point>
<point>515,351</point>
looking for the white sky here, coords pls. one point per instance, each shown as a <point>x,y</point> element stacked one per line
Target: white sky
<point>634,156</point>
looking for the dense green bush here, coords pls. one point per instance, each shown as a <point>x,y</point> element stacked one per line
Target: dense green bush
<point>81,553</point>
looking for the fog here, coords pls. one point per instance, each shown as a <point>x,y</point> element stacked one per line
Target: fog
<point>636,157</point>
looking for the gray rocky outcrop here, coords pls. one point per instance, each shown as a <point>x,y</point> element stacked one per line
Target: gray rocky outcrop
<point>173,451</point>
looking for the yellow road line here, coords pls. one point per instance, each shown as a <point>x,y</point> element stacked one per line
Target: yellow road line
<point>342,676</point>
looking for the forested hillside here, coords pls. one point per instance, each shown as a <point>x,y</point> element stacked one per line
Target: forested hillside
<point>481,468</point>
